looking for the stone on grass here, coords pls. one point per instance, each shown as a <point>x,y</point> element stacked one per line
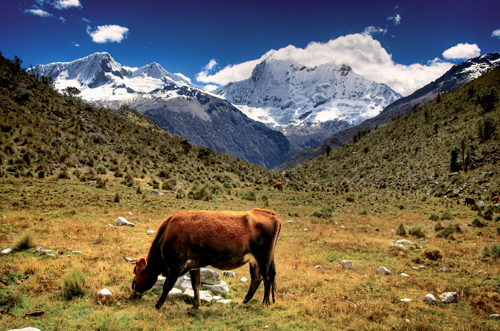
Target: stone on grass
<point>6,251</point>
<point>383,271</point>
<point>221,288</point>
<point>244,280</point>
<point>26,329</point>
<point>151,232</point>
<point>449,297</point>
<point>175,292</point>
<point>404,241</point>
<point>159,283</point>
<point>76,252</point>
<point>156,193</point>
<point>229,274</point>
<point>347,264</point>
<point>186,284</point>
<point>405,300</point>
<point>122,221</point>
<point>444,269</point>
<point>495,316</point>
<point>209,276</point>
<point>405,275</point>
<point>105,293</point>
<point>430,299</point>
<point>223,301</point>
<point>204,295</point>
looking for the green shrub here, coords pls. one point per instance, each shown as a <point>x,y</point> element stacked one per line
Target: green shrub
<point>417,230</point>
<point>101,182</point>
<point>324,212</point>
<point>24,241</point>
<point>363,212</point>
<point>265,200</point>
<point>401,230</point>
<point>249,196</point>
<point>446,216</point>
<point>204,192</point>
<point>497,218</point>
<point>169,184</point>
<point>434,217</point>
<point>488,214</point>
<point>350,199</point>
<point>102,169</point>
<point>73,284</point>
<point>180,194</point>
<point>495,251</point>
<point>433,253</point>
<point>478,223</point>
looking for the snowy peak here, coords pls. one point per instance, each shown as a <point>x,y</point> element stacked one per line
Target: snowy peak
<point>99,76</point>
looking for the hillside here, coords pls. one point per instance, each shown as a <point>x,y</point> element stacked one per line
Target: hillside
<point>47,134</point>
<point>458,75</point>
<point>447,147</point>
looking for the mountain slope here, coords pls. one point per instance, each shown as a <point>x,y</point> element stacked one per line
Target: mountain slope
<point>173,102</point>
<point>447,147</point>
<point>457,76</point>
<point>307,104</point>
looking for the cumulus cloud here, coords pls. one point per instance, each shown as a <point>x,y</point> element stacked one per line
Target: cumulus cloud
<point>66,4</point>
<point>38,12</point>
<point>107,34</point>
<point>496,34</point>
<point>462,51</point>
<point>396,18</point>
<point>361,52</point>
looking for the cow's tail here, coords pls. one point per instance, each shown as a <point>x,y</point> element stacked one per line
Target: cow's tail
<point>272,278</point>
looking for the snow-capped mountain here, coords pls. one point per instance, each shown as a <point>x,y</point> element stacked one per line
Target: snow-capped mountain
<point>98,76</point>
<point>458,75</point>
<point>307,104</point>
<point>173,102</point>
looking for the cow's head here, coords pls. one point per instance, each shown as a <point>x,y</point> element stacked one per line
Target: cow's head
<point>144,279</point>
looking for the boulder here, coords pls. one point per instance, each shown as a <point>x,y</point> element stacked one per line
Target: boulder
<point>430,299</point>
<point>156,193</point>
<point>204,295</point>
<point>174,293</point>
<point>209,276</point>
<point>123,222</point>
<point>383,271</point>
<point>221,288</point>
<point>347,264</point>
<point>449,297</point>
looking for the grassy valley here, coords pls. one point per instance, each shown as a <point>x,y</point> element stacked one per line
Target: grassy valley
<point>69,170</point>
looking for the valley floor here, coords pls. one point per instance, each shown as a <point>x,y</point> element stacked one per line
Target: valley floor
<point>314,291</point>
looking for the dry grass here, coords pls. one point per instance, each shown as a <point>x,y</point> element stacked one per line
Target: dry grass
<point>323,298</point>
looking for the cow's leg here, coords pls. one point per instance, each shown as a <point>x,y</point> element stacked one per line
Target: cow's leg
<point>255,281</point>
<point>172,276</point>
<point>196,283</point>
<point>268,273</point>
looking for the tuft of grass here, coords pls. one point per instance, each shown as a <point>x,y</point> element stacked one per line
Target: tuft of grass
<point>24,241</point>
<point>417,230</point>
<point>249,196</point>
<point>401,230</point>
<point>433,253</point>
<point>117,198</point>
<point>478,223</point>
<point>324,212</point>
<point>73,284</point>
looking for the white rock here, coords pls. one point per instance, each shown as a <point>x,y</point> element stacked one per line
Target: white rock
<point>405,275</point>
<point>175,292</point>
<point>383,271</point>
<point>186,284</point>
<point>229,274</point>
<point>305,229</point>
<point>129,213</point>
<point>342,227</point>
<point>404,241</point>
<point>494,315</point>
<point>157,193</point>
<point>51,254</point>
<point>317,267</point>
<point>443,269</point>
<point>122,221</point>
<point>221,288</point>
<point>244,280</point>
<point>151,231</point>
<point>26,329</point>
<point>204,295</point>
<point>76,252</point>
<point>405,300</point>
<point>401,246</point>
<point>209,276</point>
<point>289,221</point>
<point>449,297</point>
<point>334,232</point>
<point>216,297</point>
<point>347,264</point>
<point>111,225</point>
<point>430,299</point>
<point>6,251</point>
<point>105,292</point>
<point>224,301</point>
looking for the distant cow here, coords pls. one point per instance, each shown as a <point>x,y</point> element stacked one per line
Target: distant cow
<point>469,201</point>
<point>495,199</point>
<point>279,186</point>
<point>190,240</point>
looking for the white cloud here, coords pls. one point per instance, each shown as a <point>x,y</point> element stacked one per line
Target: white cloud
<point>210,65</point>
<point>361,52</point>
<point>38,12</point>
<point>108,33</point>
<point>371,30</point>
<point>62,19</point>
<point>496,34</point>
<point>66,4</point>
<point>396,18</point>
<point>462,51</point>
<point>86,20</point>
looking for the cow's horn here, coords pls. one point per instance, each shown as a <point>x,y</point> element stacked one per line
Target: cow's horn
<point>133,261</point>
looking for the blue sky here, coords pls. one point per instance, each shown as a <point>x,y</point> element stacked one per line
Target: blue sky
<point>405,44</point>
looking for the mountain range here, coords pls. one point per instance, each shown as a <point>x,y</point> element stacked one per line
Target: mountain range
<point>308,104</point>
<point>458,75</point>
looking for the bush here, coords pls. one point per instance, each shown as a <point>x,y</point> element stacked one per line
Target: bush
<point>417,230</point>
<point>117,197</point>
<point>434,217</point>
<point>488,214</point>
<point>324,212</point>
<point>102,170</point>
<point>249,196</point>
<point>433,253</point>
<point>478,223</point>
<point>446,216</point>
<point>401,230</point>
<point>24,241</point>
<point>169,184</point>
<point>205,192</point>
<point>73,284</point>
<point>101,183</point>
<point>180,194</point>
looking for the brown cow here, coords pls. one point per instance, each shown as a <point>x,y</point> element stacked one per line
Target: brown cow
<point>279,186</point>
<point>190,240</point>
<point>495,199</point>
<point>469,201</point>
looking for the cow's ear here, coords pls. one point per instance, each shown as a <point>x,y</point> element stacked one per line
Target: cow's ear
<point>141,264</point>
